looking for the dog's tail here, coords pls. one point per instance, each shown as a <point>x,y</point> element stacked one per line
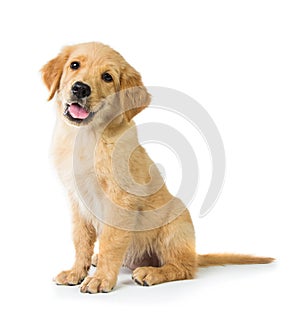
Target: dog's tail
<point>220,259</point>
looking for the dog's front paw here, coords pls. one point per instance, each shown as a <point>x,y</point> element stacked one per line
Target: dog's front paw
<point>96,284</point>
<point>70,277</point>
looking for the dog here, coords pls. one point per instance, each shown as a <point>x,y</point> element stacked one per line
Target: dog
<point>118,197</point>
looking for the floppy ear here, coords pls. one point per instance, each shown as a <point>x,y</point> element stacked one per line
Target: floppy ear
<point>52,71</point>
<point>134,96</point>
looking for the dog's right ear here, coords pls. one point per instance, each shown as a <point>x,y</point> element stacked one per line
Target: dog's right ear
<point>52,71</point>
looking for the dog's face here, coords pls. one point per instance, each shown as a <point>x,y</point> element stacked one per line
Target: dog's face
<point>94,83</point>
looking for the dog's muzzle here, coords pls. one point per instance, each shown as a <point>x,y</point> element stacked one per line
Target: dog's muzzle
<point>76,113</point>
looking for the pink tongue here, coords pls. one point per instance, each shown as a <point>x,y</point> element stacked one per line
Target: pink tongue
<point>78,112</point>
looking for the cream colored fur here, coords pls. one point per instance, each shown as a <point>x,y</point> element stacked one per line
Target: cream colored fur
<point>155,237</point>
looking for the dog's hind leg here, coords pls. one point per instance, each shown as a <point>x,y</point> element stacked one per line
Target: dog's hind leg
<point>176,252</point>
<point>172,271</point>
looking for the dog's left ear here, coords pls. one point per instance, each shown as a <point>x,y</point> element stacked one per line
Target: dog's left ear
<point>133,95</point>
<point>52,71</point>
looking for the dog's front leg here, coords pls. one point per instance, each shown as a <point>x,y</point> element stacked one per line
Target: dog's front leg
<point>112,248</point>
<point>84,237</point>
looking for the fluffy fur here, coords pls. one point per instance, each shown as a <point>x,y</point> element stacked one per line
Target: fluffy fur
<point>166,250</point>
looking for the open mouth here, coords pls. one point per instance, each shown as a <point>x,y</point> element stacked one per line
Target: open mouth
<point>76,113</point>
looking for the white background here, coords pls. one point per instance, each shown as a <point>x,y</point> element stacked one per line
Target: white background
<point>241,61</point>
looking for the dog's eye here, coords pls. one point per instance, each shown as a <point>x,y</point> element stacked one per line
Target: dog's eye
<point>107,77</point>
<point>74,65</point>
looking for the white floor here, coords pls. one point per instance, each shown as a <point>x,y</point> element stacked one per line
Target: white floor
<point>235,290</point>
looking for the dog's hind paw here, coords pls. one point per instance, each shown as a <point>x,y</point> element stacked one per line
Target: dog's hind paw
<point>146,276</point>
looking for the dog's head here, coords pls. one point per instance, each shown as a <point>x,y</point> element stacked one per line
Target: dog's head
<point>92,83</point>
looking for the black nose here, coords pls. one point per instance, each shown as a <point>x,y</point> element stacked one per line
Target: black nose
<point>81,90</point>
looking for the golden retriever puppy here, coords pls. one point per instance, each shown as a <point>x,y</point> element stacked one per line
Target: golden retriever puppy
<point>117,194</point>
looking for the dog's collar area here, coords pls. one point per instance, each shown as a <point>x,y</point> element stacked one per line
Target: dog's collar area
<point>74,112</point>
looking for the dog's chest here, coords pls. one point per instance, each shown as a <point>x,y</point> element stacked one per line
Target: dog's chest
<point>73,151</point>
